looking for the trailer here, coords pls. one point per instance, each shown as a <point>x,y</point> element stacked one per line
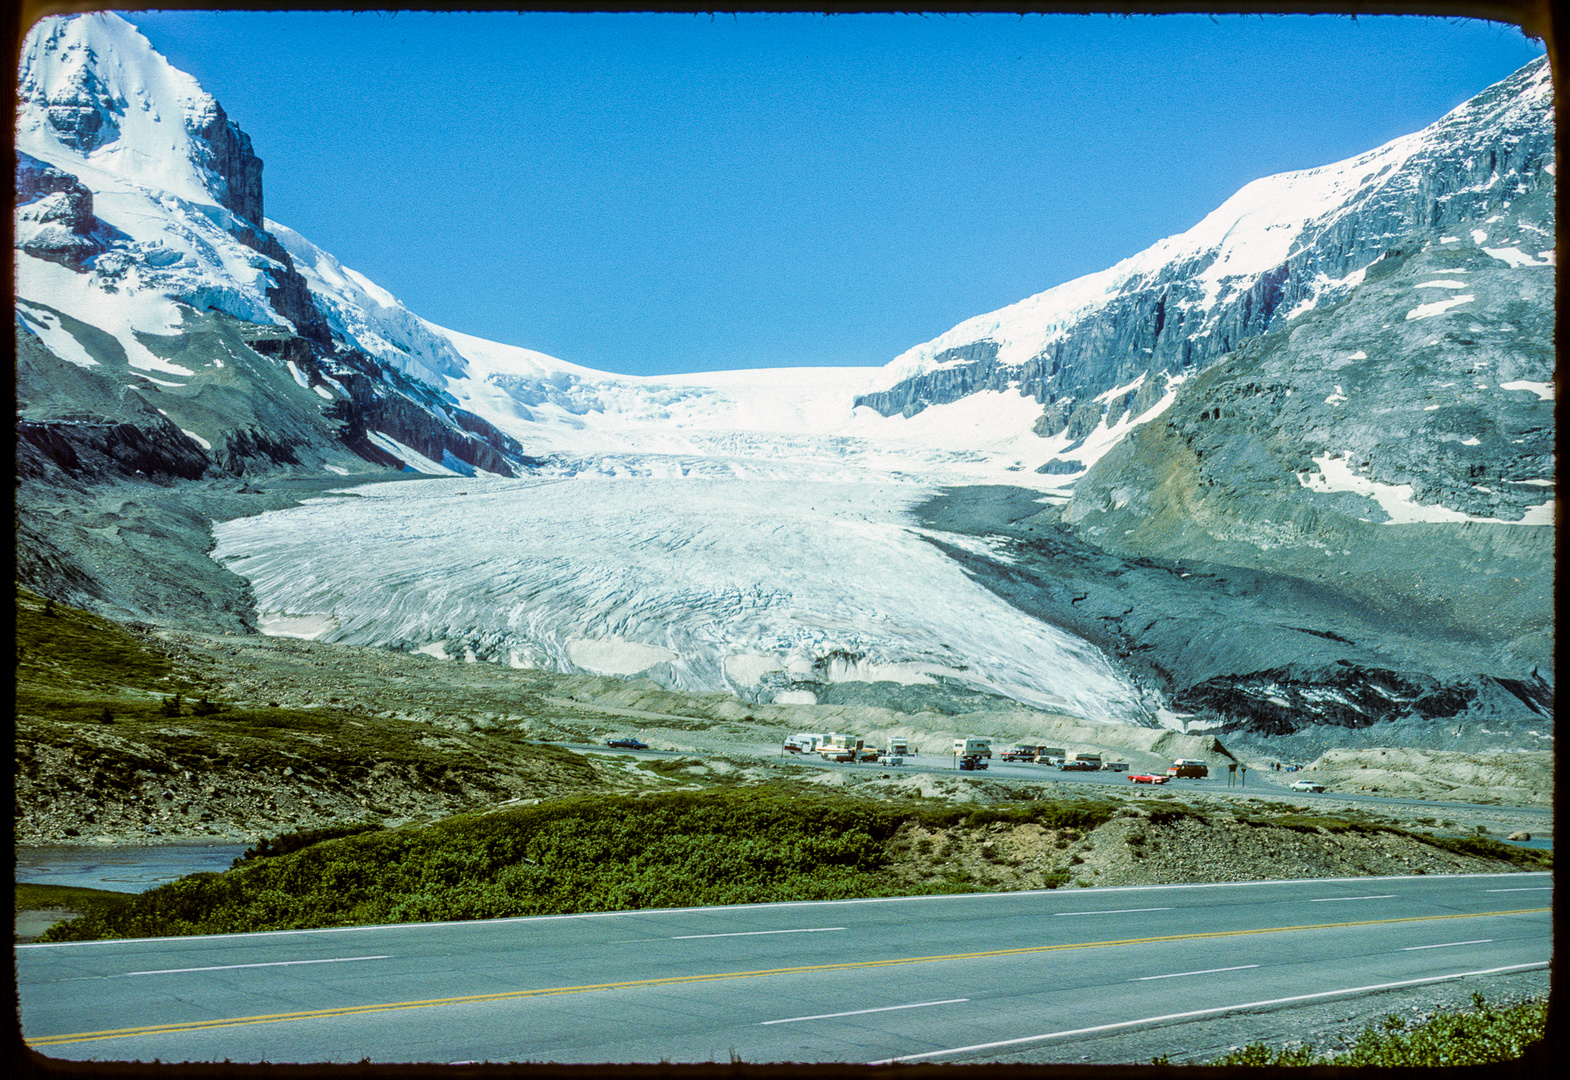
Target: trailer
<point>847,748</point>
<point>806,742</point>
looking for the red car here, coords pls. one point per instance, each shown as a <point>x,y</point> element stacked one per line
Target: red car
<point>1147,778</point>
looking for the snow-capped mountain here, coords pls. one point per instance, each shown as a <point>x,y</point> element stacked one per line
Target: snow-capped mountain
<point>1093,348</point>
<point>143,254</point>
<point>782,534</point>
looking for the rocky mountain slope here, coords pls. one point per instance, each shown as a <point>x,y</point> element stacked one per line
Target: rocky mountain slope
<point>1396,451</point>
<point>1296,463</point>
<point>1095,348</point>
<point>149,282</point>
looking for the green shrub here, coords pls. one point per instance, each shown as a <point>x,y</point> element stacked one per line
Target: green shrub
<point>1485,1036</point>
<point>302,838</point>
<point>582,853</point>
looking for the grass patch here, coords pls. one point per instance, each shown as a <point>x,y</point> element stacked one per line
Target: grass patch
<point>70,649</point>
<point>1484,848</point>
<point>31,897</point>
<point>75,668</point>
<point>669,766</point>
<point>300,839</point>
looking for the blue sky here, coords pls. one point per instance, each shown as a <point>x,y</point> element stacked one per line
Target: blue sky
<point>658,193</point>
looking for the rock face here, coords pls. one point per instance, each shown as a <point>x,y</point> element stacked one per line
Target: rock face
<point>83,112</point>
<point>54,216</point>
<point>1178,307</point>
<point>224,151</point>
<point>91,450</point>
<point>1400,443</point>
<point>1339,530</point>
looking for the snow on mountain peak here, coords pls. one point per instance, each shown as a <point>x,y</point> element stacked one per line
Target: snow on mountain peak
<point>96,97</point>
<point>1255,231</point>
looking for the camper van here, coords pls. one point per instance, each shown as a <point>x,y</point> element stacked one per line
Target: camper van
<point>1189,767</point>
<point>973,748</point>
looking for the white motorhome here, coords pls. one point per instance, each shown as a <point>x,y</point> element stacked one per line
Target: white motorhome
<point>806,742</point>
<point>973,748</point>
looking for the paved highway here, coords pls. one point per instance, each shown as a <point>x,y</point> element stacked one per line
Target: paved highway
<point>957,978</point>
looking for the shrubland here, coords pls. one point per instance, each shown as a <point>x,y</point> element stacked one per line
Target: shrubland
<point>576,854</point>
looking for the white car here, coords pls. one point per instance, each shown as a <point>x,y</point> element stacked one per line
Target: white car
<point>1307,785</point>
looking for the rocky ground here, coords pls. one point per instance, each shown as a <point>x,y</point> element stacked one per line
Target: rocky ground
<point>462,703</point>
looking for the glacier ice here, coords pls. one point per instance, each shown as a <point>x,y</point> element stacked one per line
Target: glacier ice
<point>754,587</point>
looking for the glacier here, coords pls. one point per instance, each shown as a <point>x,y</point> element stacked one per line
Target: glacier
<point>757,587</point>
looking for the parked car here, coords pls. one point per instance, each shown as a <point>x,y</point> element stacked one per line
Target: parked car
<point>1147,778</point>
<point>1307,785</point>
<point>627,742</point>
<point>1080,766</point>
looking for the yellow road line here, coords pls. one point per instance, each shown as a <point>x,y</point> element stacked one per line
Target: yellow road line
<point>510,995</point>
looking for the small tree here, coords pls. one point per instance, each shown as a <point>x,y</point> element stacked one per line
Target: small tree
<point>106,717</point>
<point>203,707</point>
<point>170,706</point>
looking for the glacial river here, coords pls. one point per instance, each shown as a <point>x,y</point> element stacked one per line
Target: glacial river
<point>127,869</point>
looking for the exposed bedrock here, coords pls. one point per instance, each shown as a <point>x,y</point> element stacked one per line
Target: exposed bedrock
<point>54,216</point>
<point>225,152</point>
<point>1288,649</point>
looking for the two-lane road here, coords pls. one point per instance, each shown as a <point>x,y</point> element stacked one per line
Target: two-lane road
<point>952,978</point>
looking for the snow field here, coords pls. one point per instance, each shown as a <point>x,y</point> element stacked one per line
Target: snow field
<point>1396,499</point>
